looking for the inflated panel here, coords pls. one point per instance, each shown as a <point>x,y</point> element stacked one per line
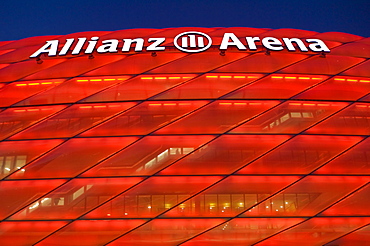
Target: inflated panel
<point>158,146</point>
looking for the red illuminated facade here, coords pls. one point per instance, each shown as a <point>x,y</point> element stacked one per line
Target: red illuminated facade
<point>235,147</point>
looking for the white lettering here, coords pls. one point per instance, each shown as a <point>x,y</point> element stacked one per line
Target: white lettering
<point>78,47</point>
<point>51,47</point>
<point>92,43</point>
<point>109,45</point>
<point>156,43</point>
<point>191,42</point>
<point>289,44</point>
<point>234,41</point>
<point>251,42</point>
<point>127,44</point>
<point>317,45</point>
<point>66,46</point>
<point>272,43</point>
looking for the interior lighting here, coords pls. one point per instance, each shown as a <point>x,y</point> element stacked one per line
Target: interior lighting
<point>232,77</point>
<point>99,80</point>
<point>238,104</point>
<point>168,104</point>
<point>166,77</point>
<point>294,77</point>
<point>26,110</point>
<point>42,83</point>
<point>353,80</point>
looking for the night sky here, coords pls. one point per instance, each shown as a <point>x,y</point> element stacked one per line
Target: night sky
<point>24,18</point>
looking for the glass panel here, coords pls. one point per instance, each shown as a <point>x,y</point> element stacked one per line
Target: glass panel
<point>140,87</point>
<point>354,120</point>
<point>72,158</point>
<point>166,232</point>
<point>75,66</point>
<point>300,155</point>
<point>277,86</point>
<point>355,205</point>
<point>307,197</point>
<point>144,118</point>
<point>338,36</point>
<point>17,55</point>
<point>287,32</point>
<point>318,65</point>
<point>352,49</point>
<point>339,88</point>
<point>74,198</point>
<point>357,238</point>
<point>90,232</point>
<point>290,117</point>
<point>72,90</point>
<point>130,33</point>
<point>17,194</point>
<point>354,161</point>
<point>230,197</point>
<point>198,63</point>
<point>238,31</point>
<point>366,98</point>
<point>23,233</point>
<point>40,40</point>
<point>18,91</point>
<point>73,120</point>
<point>148,156</point>
<point>19,70</point>
<point>152,197</point>
<point>224,155</point>
<point>364,40</point>
<point>316,231</point>
<point>211,85</point>
<point>242,232</point>
<point>13,120</point>
<point>217,117</point>
<point>360,70</point>
<point>136,64</point>
<point>16,154</point>
<point>261,63</point>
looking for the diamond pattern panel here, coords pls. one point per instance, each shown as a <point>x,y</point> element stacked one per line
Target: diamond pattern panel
<point>170,148</point>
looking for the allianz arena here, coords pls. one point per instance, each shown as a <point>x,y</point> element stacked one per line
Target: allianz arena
<point>157,146</point>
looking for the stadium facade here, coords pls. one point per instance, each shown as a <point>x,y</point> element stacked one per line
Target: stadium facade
<point>185,136</point>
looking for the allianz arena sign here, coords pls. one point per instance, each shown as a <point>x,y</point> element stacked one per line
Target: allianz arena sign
<point>189,42</point>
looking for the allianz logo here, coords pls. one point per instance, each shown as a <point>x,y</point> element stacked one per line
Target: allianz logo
<point>189,42</point>
<point>192,42</point>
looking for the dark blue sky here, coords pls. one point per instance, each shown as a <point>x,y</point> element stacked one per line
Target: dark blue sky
<point>25,18</point>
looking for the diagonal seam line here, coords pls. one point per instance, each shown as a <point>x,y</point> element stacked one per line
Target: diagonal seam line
<point>350,232</point>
